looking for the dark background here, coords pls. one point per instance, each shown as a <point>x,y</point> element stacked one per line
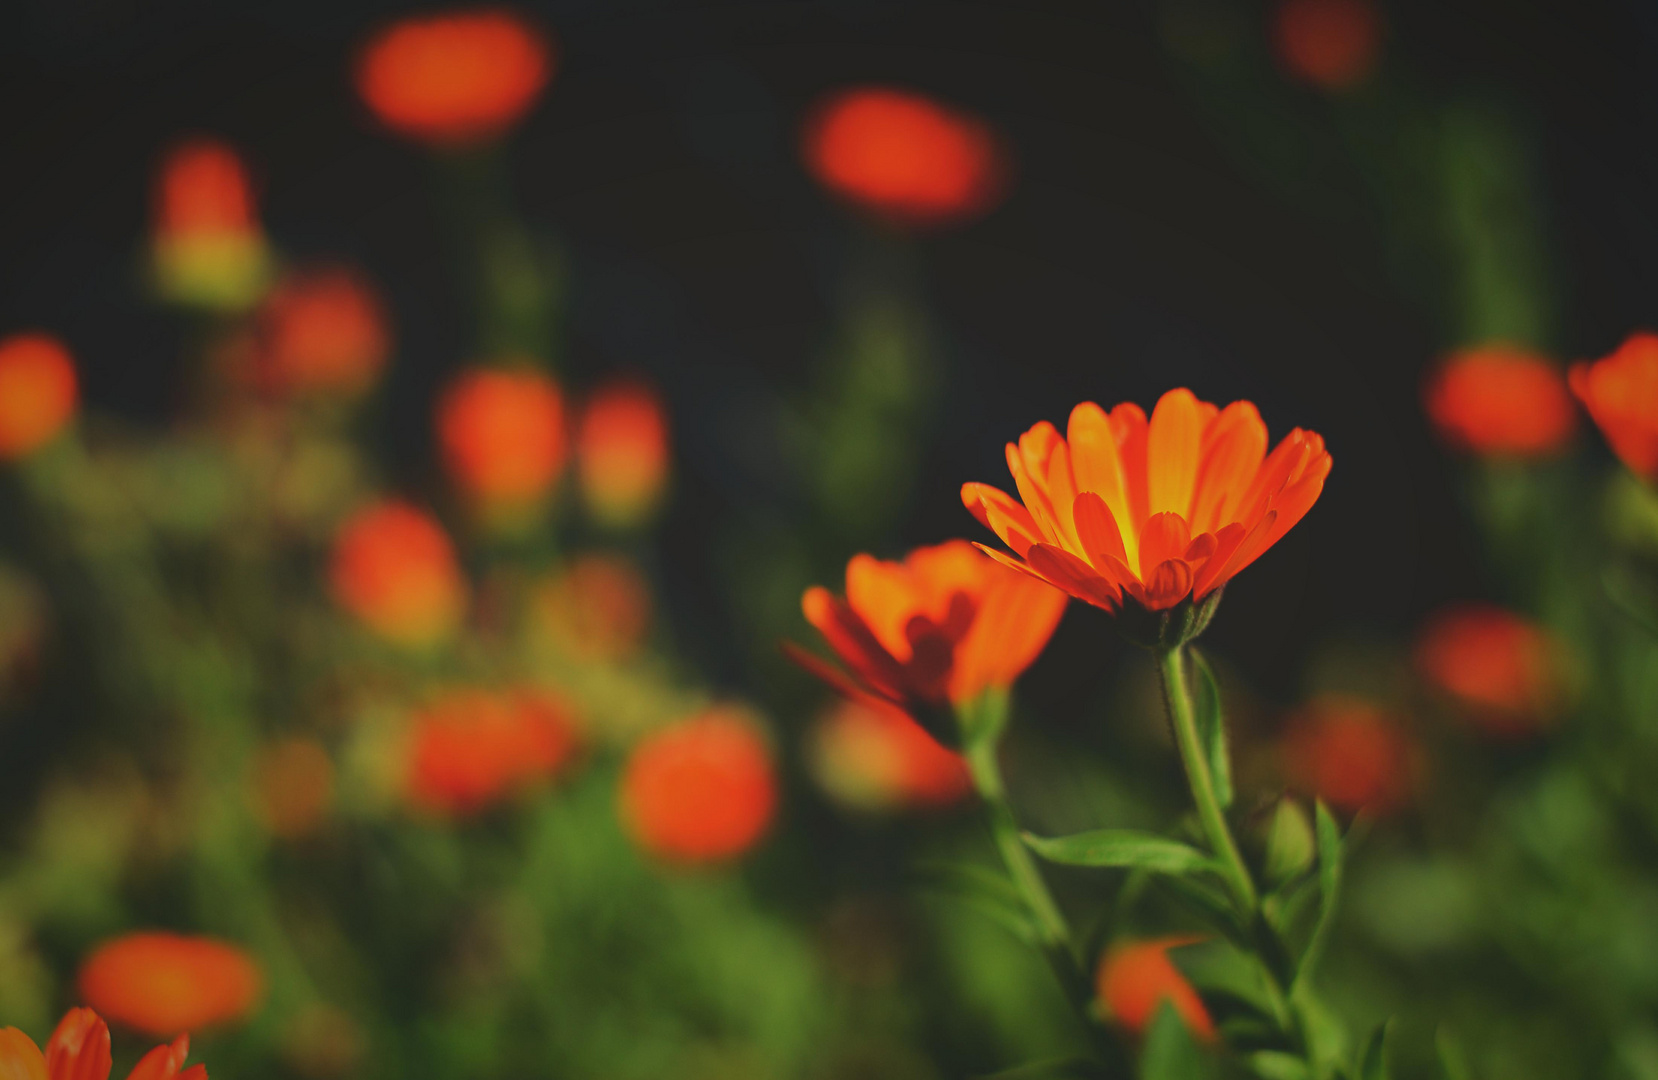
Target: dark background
<point>1133,255</point>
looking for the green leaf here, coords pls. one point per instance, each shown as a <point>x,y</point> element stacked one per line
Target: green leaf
<point>984,890</point>
<point>1453,1063</point>
<point>1122,848</point>
<point>1372,1063</point>
<point>1290,843</point>
<point>1273,1065</point>
<point>1062,1068</point>
<point>1211,901</point>
<point>1211,728</point>
<point>1329,887</point>
<point>1170,1052</point>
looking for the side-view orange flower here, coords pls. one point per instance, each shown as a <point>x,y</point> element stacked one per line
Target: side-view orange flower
<point>1506,672</point>
<point>1621,393</point>
<point>1500,401</point>
<point>38,392</point>
<point>79,1050</point>
<point>394,568</point>
<point>941,627</point>
<point>162,984</point>
<point>1136,978</point>
<point>1154,511</point>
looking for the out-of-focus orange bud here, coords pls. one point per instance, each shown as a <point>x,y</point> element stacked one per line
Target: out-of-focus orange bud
<point>502,435</point>
<point>209,248</point>
<point>1332,44</point>
<point>472,748</point>
<point>163,984</point>
<point>1505,671</point>
<point>597,608</point>
<point>904,156</point>
<point>622,453</point>
<point>1621,393</point>
<point>1502,402</point>
<point>1136,978</point>
<point>872,757</point>
<point>322,333</point>
<point>1350,753</point>
<point>394,568</point>
<point>454,78</point>
<point>702,790</point>
<point>293,786</point>
<point>38,392</point>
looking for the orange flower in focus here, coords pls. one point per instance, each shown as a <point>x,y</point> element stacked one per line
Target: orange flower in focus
<point>1349,753</point>
<point>1154,511</point>
<point>1135,979</point>
<point>209,248</point>
<point>598,608</point>
<point>394,568</point>
<point>941,627</point>
<point>874,757</point>
<point>904,156</point>
<point>162,984</point>
<point>701,790</point>
<point>1332,44</point>
<point>324,332</point>
<point>470,749</point>
<point>79,1050</point>
<point>1621,393</point>
<point>1505,670</point>
<point>293,785</point>
<point>622,453</point>
<point>38,392</point>
<point>502,435</point>
<point>454,78</point>
<point>1502,402</point>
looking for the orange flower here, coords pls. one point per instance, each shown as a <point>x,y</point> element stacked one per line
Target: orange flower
<point>502,435</point>
<point>162,984</point>
<point>324,332</point>
<point>941,627</point>
<point>1504,669</point>
<point>874,757</point>
<point>599,608</point>
<point>1621,393</point>
<point>701,790</point>
<point>1154,511</point>
<point>1332,44</point>
<point>456,78</point>
<point>293,785</point>
<point>1136,978</point>
<point>1502,402</point>
<point>394,568</point>
<point>472,748</point>
<point>622,453</point>
<point>904,156</point>
<point>1350,753</point>
<point>38,392</point>
<point>79,1050</point>
<point>209,248</point>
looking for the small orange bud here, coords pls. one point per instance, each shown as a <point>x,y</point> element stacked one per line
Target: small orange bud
<point>598,608</point>
<point>454,78</point>
<point>622,453</point>
<point>876,758</point>
<point>323,333</point>
<point>1332,44</point>
<point>701,790</point>
<point>164,984</point>
<point>394,568</point>
<point>1136,978</point>
<point>209,248</point>
<point>473,748</point>
<point>1501,402</point>
<point>1621,393</point>
<point>1504,670</point>
<point>38,392</point>
<point>293,785</point>
<point>502,435</point>
<point>1351,754</point>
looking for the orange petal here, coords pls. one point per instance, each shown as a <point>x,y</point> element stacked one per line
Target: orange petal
<point>1235,444</point>
<point>884,597</point>
<point>978,498</point>
<point>1015,620</point>
<point>1033,492</point>
<point>1168,583</point>
<point>1208,575</point>
<point>163,1062</point>
<point>1074,576</point>
<point>1062,492</point>
<point>1173,452</point>
<point>1129,427</point>
<point>837,679</point>
<point>852,641</point>
<point>1166,536</point>
<point>1094,459</point>
<point>1097,528</point>
<point>1036,445</point>
<point>1247,551</point>
<point>1008,529</point>
<point>19,1057</point>
<point>79,1048</point>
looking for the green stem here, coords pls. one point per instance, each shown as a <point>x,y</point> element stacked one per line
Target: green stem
<point>1183,717</point>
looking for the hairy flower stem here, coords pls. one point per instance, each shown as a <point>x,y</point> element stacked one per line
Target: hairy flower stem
<point>1183,718</point>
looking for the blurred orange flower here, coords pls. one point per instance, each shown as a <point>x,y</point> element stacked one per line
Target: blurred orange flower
<point>941,627</point>
<point>874,757</point>
<point>1156,511</point>
<point>454,78</point>
<point>1350,753</point>
<point>622,453</point>
<point>79,1050</point>
<point>394,568</point>
<point>1621,393</point>
<point>1332,44</point>
<point>1500,401</point>
<point>1136,978</point>
<point>323,332</point>
<point>209,248</point>
<point>38,392</point>
<point>162,984</point>
<point>597,608</point>
<point>472,748</point>
<point>904,156</point>
<point>293,785</point>
<point>1505,670</point>
<point>502,435</point>
<point>701,790</point>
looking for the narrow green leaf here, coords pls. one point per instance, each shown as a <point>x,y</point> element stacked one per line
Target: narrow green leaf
<point>1062,1068</point>
<point>985,891</point>
<point>1329,887</point>
<point>1453,1063</point>
<point>1211,728</point>
<point>1273,1065</point>
<point>1170,1052</point>
<point>1372,1063</point>
<point>1212,902</point>
<point>1121,848</point>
